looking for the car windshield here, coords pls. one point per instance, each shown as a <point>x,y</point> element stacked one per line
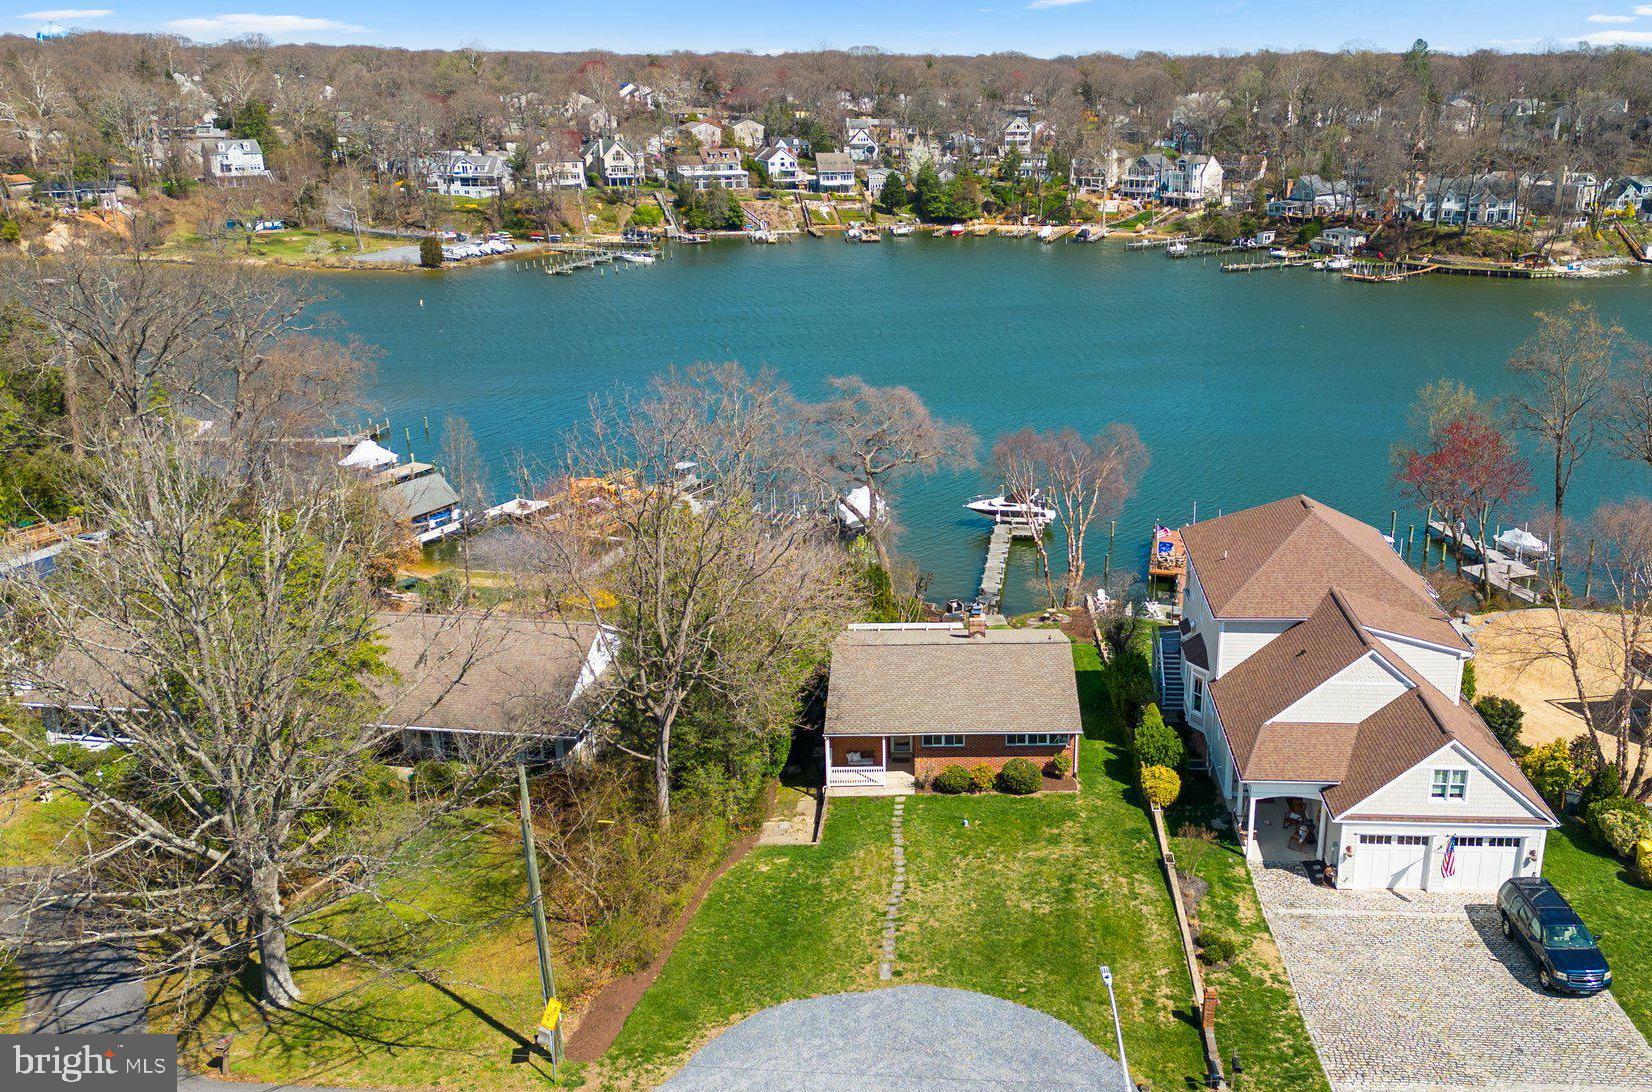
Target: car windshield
<point>1567,936</point>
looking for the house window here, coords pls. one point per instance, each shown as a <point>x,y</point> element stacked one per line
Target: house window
<point>1198,694</point>
<point>1035,739</point>
<point>1450,784</point>
<point>943,741</point>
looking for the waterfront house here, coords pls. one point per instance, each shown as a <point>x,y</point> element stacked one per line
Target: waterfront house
<point>794,144</point>
<point>418,496</point>
<point>906,701</point>
<point>1630,195</point>
<point>1192,180</point>
<point>559,174</point>
<point>1567,194</point>
<point>1322,681</point>
<point>1310,195</point>
<point>613,161</point>
<point>1016,134</point>
<point>233,160</point>
<point>862,144</point>
<point>834,172</point>
<point>747,133</point>
<point>1338,240</point>
<point>1483,200</point>
<point>875,178</point>
<point>781,164</point>
<point>705,134</point>
<point>504,683</point>
<point>467,174</point>
<point>1144,176</point>
<point>713,169</point>
<point>1098,173</point>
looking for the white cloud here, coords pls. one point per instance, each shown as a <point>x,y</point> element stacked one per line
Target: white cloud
<point>68,13</point>
<point>1644,9</point>
<point>1619,37</point>
<point>1612,18</point>
<point>275,26</point>
<point>1036,4</point>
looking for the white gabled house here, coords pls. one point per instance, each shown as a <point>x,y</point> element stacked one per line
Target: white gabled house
<point>834,172</point>
<point>1192,180</point>
<point>713,169</point>
<point>233,159</point>
<point>1324,684</point>
<point>706,134</point>
<point>559,174</point>
<point>781,164</point>
<point>1016,135</point>
<point>464,174</point>
<point>862,143</point>
<point>747,133</point>
<point>613,161</point>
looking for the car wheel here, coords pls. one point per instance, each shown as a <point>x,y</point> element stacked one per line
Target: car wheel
<point>1508,930</point>
<point>1544,980</point>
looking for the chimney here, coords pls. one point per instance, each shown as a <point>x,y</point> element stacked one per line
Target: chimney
<point>977,625</point>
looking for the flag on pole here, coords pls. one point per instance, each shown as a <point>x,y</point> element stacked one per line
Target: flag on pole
<point>1448,864</point>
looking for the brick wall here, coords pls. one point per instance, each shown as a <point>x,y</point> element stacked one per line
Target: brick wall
<point>842,745</point>
<point>978,750</point>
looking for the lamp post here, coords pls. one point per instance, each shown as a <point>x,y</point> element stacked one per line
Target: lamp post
<point>1118,1029</point>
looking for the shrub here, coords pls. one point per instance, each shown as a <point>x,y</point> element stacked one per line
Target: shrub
<point>1157,744</point>
<point>1471,683</point>
<point>981,777</point>
<point>1216,948</point>
<point>1059,766</point>
<point>1160,785</point>
<point>647,216</point>
<point>430,252</point>
<point>1019,777</point>
<point>1551,770</point>
<point>433,777</point>
<point>1504,717</point>
<point>1618,824</point>
<point>1643,861</point>
<point>952,781</point>
<point>1604,785</point>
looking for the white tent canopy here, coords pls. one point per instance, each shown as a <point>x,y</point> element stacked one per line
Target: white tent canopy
<point>859,503</point>
<point>1522,541</point>
<point>368,455</point>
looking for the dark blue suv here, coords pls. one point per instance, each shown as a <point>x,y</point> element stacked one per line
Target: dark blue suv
<point>1539,919</point>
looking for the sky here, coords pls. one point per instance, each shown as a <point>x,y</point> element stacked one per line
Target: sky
<point>1039,27</point>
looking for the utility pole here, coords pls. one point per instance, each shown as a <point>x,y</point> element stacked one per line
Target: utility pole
<point>536,901</point>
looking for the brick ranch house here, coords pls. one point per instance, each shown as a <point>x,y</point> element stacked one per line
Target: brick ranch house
<point>1323,683</point>
<point>906,701</point>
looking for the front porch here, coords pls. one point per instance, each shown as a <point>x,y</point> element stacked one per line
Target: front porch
<point>1282,829</point>
<point>870,766</point>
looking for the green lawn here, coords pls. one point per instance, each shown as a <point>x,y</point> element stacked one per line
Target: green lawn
<point>1617,911</point>
<point>31,833</point>
<point>291,245</point>
<point>785,923</point>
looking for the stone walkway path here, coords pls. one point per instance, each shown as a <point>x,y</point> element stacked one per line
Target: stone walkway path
<point>1414,991</point>
<point>897,891</point>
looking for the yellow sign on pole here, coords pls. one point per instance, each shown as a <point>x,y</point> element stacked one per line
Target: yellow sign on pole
<point>552,1014</point>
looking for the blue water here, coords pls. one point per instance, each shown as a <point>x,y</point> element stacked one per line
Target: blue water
<point>1245,387</point>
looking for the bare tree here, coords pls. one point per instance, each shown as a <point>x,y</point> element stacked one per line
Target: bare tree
<point>682,526</point>
<point>224,638</point>
<point>869,436</point>
<point>1566,367</point>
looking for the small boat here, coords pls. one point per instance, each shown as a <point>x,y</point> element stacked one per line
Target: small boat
<point>852,233</point>
<point>870,235</point>
<point>1279,252</point>
<point>900,230</point>
<point>1010,508</point>
<point>693,238</point>
<point>1176,249</point>
<point>854,506</point>
<point>955,230</point>
<point>1082,235</point>
<point>638,259</point>
<point>1521,543</point>
<point>1339,263</point>
<point>1046,234</point>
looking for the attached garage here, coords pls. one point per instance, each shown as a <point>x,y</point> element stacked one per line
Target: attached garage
<point>1388,860</point>
<point>1479,863</point>
<point>1413,859</point>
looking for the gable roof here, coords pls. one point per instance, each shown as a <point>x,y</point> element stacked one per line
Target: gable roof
<point>940,680</point>
<point>834,161</point>
<point>1356,759</point>
<point>1278,560</point>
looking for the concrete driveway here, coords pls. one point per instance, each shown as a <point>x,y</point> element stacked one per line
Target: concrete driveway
<point>84,989</point>
<point>903,1039</point>
<point>1409,991</point>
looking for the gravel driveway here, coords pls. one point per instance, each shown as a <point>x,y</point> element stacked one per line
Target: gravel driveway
<point>903,1039</point>
<point>1409,991</point>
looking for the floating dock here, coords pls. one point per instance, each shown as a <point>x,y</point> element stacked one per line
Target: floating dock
<point>1507,574</point>
<point>998,556</point>
<point>1150,244</point>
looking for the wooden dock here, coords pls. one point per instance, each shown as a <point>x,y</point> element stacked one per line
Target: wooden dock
<point>1274,263</point>
<point>1508,575</point>
<point>998,556</point>
<point>1388,274</point>
<point>1150,244</point>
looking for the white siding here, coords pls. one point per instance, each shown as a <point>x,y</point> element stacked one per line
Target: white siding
<point>1409,794</point>
<point>1237,641</point>
<point>1442,669</point>
<point>1527,859</point>
<point>1221,763</point>
<point>1347,697</point>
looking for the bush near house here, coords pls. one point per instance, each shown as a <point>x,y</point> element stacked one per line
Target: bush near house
<point>1160,785</point>
<point>981,777</point>
<point>1059,766</point>
<point>952,781</point>
<point>1619,824</point>
<point>1019,777</point>
<point>1504,717</point>
<point>1156,743</point>
<point>1551,770</point>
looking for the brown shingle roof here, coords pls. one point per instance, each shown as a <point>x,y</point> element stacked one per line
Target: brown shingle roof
<point>914,681</point>
<point>1278,560</point>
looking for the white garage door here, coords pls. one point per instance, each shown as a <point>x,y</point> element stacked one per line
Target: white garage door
<point>1482,863</point>
<point>1389,860</point>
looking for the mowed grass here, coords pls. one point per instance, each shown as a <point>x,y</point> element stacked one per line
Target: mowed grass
<point>466,1022</point>
<point>785,923</point>
<point>34,832</point>
<point>1617,910</point>
<point>1256,1011</point>
<point>290,245</point>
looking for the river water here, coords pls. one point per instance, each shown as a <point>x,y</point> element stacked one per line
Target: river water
<point>1245,387</point>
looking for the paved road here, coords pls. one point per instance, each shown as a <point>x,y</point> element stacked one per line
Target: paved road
<point>903,1039</point>
<point>1420,991</point>
<point>86,989</point>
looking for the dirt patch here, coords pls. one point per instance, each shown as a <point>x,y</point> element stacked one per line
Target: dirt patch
<point>602,1020</point>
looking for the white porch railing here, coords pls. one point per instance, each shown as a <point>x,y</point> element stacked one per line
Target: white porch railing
<point>849,776</point>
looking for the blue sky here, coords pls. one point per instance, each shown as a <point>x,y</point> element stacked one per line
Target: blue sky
<point>1039,27</point>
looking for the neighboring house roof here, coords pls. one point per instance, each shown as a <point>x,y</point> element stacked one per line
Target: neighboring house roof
<point>1277,561</point>
<point>834,161</point>
<point>1357,758</point>
<point>419,496</point>
<point>916,681</point>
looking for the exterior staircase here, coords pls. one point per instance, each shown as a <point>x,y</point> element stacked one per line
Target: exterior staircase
<point>1167,672</point>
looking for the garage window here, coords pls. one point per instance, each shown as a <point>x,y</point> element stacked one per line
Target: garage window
<point>1376,839</point>
<point>1411,839</point>
<point>1503,843</point>
<point>1450,784</point>
<point>943,741</point>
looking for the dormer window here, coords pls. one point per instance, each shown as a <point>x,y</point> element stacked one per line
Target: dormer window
<point>1450,785</point>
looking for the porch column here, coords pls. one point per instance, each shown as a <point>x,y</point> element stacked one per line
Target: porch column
<point>885,741</point>
<point>1250,821</point>
<point>1428,862</point>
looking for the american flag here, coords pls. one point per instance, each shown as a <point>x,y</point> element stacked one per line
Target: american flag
<point>1448,864</point>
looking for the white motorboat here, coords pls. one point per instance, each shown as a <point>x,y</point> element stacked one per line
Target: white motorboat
<point>1339,263</point>
<point>900,230</point>
<point>1521,543</point>
<point>1177,249</point>
<point>1046,233</point>
<point>1279,252</point>
<point>1010,508</point>
<point>852,233</point>
<point>854,506</point>
<point>638,259</point>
